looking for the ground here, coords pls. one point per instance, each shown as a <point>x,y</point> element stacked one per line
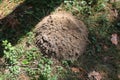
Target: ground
<point>21,60</point>
<point>62,36</point>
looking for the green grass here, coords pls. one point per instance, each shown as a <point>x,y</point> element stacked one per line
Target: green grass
<point>17,49</point>
<point>27,60</point>
<point>20,56</point>
<point>100,30</point>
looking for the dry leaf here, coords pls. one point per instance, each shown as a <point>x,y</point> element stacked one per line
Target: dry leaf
<point>114,39</point>
<point>75,69</point>
<point>95,74</point>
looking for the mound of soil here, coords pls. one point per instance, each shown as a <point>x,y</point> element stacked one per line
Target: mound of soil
<point>61,36</point>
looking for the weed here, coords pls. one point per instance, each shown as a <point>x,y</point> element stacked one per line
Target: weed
<point>84,7</point>
<point>30,61</point>
<point>10,53</point>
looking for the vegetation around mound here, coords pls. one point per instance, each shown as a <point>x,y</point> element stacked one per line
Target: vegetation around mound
<point>21,60</point>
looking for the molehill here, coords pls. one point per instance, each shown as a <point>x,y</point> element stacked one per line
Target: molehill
<point>61,36</point>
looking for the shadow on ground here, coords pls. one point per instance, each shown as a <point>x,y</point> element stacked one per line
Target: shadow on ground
<point>105,61</point>
<point>24,18</point>
<point>101,56</point>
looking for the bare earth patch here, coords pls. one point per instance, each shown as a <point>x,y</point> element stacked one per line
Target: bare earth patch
<point>62,36</point>
<point>7,6</point>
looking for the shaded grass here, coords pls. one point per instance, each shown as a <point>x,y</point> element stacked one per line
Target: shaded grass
<point>15,28</point>
<point>101,55</point>
<point>24,17</point>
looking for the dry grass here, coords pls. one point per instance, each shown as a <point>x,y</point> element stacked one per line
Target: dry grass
<point>7,6</point>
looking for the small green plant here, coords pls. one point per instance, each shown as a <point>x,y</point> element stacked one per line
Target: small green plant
<point>79,6</point>
<point>30,60</point>
<point>88,7</point>
<point>10,53</point>
<point>15,69</point>
<point>45,67</point>
<point>11,60</point>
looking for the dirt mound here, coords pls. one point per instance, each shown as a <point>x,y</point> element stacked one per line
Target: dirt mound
<point>62,36</point>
